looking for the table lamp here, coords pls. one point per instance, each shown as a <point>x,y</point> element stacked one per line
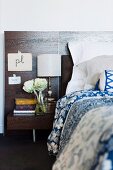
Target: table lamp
<point>49,65</point>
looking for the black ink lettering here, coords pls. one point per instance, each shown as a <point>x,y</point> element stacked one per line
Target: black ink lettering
<point>22,57</point>
<point>19,61</point>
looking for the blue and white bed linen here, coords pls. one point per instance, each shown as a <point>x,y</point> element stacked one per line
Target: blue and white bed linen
<point>69,111</point>
<point>91,144</point>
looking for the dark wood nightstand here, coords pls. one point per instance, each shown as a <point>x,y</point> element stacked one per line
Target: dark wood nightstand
<point>41,121</point>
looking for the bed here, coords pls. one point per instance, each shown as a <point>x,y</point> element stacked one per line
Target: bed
<point>82,134</point>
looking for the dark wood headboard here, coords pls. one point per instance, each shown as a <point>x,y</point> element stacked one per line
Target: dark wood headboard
<point>35,43</point>
<point>67,67</point>
<point>27,42</point>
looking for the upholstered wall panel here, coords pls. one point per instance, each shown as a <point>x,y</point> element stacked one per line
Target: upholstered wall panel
<point>39,42</point>
<point>66,36</point>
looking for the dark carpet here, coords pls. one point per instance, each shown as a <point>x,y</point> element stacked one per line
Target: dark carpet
<point>18,152</point>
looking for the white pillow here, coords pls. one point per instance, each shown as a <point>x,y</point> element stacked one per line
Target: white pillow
<point>93,49</point>
<point>76,51</point>
<point>78,78</point>
<point>89,87</point>
<point>96,66</point>
<point>85,50</point>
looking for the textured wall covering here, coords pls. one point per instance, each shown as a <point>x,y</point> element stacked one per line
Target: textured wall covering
<point>65,37</point>
<point>56,41</point>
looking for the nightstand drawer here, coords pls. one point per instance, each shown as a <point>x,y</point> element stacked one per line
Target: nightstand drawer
<point>44,121</point>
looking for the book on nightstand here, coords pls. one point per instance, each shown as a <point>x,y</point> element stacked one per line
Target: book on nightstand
<point>24,112</point>
<point>24,107</point>
<point>24,101</point>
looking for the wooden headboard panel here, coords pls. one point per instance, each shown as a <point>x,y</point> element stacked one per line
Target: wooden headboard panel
<point>67,67</point>
<point>27,42</point>
<point>35,43</point>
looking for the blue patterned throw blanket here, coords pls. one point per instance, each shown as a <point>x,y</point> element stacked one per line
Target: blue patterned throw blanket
<point>91,144</point>
<point>69,111</point>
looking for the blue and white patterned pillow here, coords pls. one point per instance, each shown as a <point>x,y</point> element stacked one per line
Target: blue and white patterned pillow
<point>106,81</point>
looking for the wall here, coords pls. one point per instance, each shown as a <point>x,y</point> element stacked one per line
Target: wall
<point>74,15</point>
<point>1,73</point>
<point>52,15</point>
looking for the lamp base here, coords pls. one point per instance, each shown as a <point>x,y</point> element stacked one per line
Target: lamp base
<point>50,99</point>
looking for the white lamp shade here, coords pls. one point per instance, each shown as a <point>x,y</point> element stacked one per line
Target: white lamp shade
<point>49,65</point>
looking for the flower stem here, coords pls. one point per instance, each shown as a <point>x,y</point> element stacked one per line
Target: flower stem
<point>41,107</point>
<point>36,94</point>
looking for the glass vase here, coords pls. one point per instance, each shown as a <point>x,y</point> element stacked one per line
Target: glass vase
<point>41,105</point>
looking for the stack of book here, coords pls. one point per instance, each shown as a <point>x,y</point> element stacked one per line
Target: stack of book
<point>24,107</point>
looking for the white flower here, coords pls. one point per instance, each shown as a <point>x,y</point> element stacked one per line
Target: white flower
<point>35,85</point>
<point>29,86</point>
<point>40,84</point>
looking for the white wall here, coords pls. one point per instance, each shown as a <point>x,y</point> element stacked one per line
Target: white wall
<point>1,84</point>
<point>76,15</point>
<point>52,15</point>
<point>1,74</point>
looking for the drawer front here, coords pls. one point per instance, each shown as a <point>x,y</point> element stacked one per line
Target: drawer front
<point>30,122</point>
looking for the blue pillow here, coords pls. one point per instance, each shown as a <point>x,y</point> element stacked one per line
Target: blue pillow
<point>106,81</point>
